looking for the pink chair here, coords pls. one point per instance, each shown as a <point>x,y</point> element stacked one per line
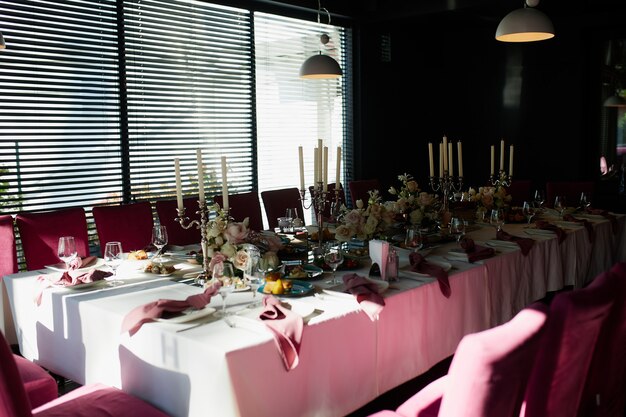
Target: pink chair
<point>331,192</point>
<point>94,400</point>
<point>40,233</point>
<point>130,224</point>
<point>277,202</point>
<point>177,235</point>
<point>488,373</point>
<point>560,370</point>
<point>359,190</point>
<point>244,205</point>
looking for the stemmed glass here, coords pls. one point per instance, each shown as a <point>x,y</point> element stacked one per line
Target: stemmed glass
<point>539,199</point>
<point>585,200</point>
<point>497,219</point>
<point>528,211</point>
<point>457,228</point>
<point>113,257</point>
<point>159,240</point>
<point>560,204</point>
<point>66,250</point>
<point>225,273</point>
<point>333,256</point>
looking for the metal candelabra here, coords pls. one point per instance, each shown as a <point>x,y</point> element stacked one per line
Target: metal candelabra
<point>319,199</point>
<point>502,179</point>
<point>446,184</point>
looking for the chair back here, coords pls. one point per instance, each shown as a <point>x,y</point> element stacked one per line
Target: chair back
<point>176,234</point>
<point>40,233</point>
<point>327,212</point>
<point>520,191</point>
<point>558,376</point>
<point>570,189</point>
<point>276,203</point>
<point>13,398</point>
<point>244,205</point>
<point>359,190</point>
<point>8,254</point>
<point>130,224</point>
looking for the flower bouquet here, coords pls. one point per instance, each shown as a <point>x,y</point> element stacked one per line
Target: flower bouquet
<point>415,206</point>
<point>365,223</point>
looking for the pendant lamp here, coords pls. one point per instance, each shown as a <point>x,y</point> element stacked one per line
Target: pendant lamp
<point>525,25</point>
<point>320,66</point>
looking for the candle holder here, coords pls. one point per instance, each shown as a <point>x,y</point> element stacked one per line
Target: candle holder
<point>502,180</point>
<point>446,184</point>
<point>319,199</point>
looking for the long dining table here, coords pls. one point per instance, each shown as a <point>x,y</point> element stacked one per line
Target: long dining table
<point>211,367</point>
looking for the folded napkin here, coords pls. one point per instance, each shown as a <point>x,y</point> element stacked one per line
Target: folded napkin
<point>79,262</point>
<point>544,225</point>
<point>68,279</point>
<point>378,251</point>
<point>421,265</point>
<point>476,252</point>
<point>524,243</point>
<point>149,312</point>
<point>286,326</point>
<point>607,216</point>
<point>568,217</point>
<point>366,293</point>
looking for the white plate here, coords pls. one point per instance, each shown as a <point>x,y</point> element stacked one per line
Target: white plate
<point>189,315</point>
<point>445,265</point>
<point>502,244</point>
<point>242,289</point>
<point>83,286</point>
<point>540,232</point>
<point>60,267</point>
<point>568,224</point>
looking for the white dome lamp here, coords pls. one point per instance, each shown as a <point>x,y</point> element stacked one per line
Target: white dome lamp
<point>320,66</point>
<point>525,25</point>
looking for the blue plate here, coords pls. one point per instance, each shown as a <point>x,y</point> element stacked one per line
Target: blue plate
<point>298,289</point>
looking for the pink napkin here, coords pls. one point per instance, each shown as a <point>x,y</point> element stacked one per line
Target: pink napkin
<point>524,243</point>
<point>476,252</point>
<point>421,265</point>
<point>606,215</point>
<point>79,262</point>
<point>287,328</point>
<point>68,279</point>
<point>155,309</point>
<point>366,293</point>
<point>568,217</point>
<point>560,233</point>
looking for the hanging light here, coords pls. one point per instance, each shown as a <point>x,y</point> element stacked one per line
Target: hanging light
<point>320,66</point>
<point>525,25</point>
<point>2,43</point>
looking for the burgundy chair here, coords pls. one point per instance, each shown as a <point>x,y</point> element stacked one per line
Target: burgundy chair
<point>95,400</point>
<point>520,191</point>
<point>605,390</point>
<point>488,373</point>
<point>40,233</point>
<point>560,370</point>
<point>331,192</point>
<point>130,224</point>
<point>277,202</point>
<point>359,190</point>
<point>244,205</point>
<point>176,234</point>
<point>8,255</point>
<point>570,189</point>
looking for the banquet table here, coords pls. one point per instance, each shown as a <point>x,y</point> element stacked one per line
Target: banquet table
<point>346,359</point>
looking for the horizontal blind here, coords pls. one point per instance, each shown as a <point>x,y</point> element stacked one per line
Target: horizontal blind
<point>189,78</point>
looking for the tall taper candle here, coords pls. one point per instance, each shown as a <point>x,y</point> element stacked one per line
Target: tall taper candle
<point>301,162</point>
<point>325,168</point>
<point>511,161</point>
<point>338,172</point>
<point>460,152</point>
<point>315,170</point>
<point>320,161</point>
<point>430,159</point>
<point>200,175</point>
<point>450,159</point>
<point>493,157</point>
<point>445,153</point>
<point>440,160</point>
<point>502,155</point>
<point>179,186</point>
<point>224,184</point>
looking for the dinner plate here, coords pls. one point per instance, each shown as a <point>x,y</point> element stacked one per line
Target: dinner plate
<point>60,267</point>
<point>540,232</point>
<point>443,264</point>
<point>242,289</point>
<point>312,271</point>
<point>188,315</point>
<point>298,289</point>
<point>82,286</point>
<point>501,244</point>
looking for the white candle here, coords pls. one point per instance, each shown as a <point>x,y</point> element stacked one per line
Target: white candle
<point>460,152</point>
<point>200,175</point>
<point>445,153</point>
<point>493,156</point>
<point>502,155</point>
<point>325,168</point>
<point>301,161</point>
<point>338,176</point>
<point>450,159</point>
<point>224,184</point>
<point>315,170</point>
<point>320,161</point>
<point>440,160</point>
<point>511,161</point>
<point>179,186</point>
<point>430,159</point>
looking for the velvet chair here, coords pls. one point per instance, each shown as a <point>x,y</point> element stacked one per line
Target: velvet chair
<point>331,193</point>
<point>276,203</point>
<point>359,190</point>
<point>40,233</point>
<point>8,254</point>
<point>488,373</point>
<point>177,235</point>
<point>570,189</point>
<point>95,400</point>
<point>520,191</point>
<point>560,370</point>
<point>244,205</point>
<point>130,224</point>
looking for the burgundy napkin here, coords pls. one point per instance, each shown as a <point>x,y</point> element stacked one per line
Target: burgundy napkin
<point>79,262</point>
<point>421,265</point>
<point>607,216</point>
<point>560,233</point>
<point>286,326</point>
<point>366,293</point>
<point>524,243</point>
<point>476,252</point>
<point>568,217</point>
<point>67,279</point>
<point>155,309</point>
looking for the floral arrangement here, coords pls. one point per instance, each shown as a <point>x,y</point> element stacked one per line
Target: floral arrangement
<point>418,207</point>
<point>365,223</point>
<point>490,197</point>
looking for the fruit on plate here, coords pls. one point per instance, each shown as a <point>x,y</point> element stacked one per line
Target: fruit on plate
<point>278,287</point>
<point>137,255</point>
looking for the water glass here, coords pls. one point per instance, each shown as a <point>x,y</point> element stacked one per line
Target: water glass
<point>66,250</point>
<point>585,200</point>
<point>413,238</point>
<point>333,256</point>
<point>560,204</point>
<point>113,257</point>
<point>457,228</point>
<point>497,219</point>
<point>159,240</point>
<point>528,211</point>
<point>225,273</point>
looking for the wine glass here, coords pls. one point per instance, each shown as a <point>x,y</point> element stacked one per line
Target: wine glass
<point>66,250</point>
<point>528,211</point>
<point>413,238</point>
<point>585,200</point>
<point>225,273</point>
<point>255,280</point>
<point>539,199</point>
<point>333,256</point>
<point>497,219</point>
<point>457,228</point>
<point>560,204</point>
<point>113,257</point>
<point>159,240</point>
